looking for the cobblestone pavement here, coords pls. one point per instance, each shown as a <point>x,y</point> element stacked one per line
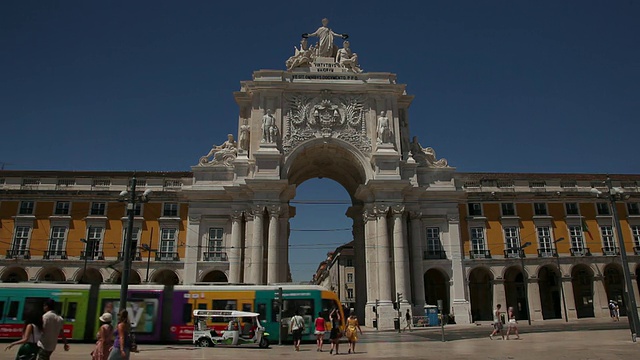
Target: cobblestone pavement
<point>582,344</point>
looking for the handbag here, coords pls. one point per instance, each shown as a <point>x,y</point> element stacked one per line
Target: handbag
<point>134,346</point>
<point>28,351</point>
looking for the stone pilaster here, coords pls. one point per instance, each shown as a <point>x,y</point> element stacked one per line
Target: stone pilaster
<point>235,250</point>
<point>355,213</point>
<point>191,252</point>
<point>600,301</point>
<point>499,296</point>
<point>570,298</point>
<point>417,270</point>
<point>273,255</point>
<point>371,260</point>
<point>384,255</point>
<point>256,264</point>
<point>535,306</point>
<point>283,249</point>
<point>460,305</point>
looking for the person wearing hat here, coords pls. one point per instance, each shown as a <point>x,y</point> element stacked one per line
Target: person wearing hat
<point>105,338</point>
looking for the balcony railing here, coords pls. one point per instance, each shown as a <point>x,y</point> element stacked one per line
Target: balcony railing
<point>513,254</point>
<point>636,250</point>
<point>167,256</point>
<point>547,252</point>
<point>434,254</point>
<point>610,251</point>
<point>580,252</point>
<point>215,256</point>
<point>55,254</point>
<point>19,254</point>
<point>87,255</point>
<point>134,257</point>
<point>480,254</point>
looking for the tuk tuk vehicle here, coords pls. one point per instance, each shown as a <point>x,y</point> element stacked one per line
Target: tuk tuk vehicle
<point>242,328</point>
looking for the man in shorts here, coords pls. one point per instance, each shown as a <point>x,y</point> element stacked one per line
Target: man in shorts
<point>52,325</point>
<point>497,322</point>
<point>297,326</point>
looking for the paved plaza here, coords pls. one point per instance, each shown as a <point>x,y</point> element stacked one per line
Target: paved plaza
<point>582,344</point>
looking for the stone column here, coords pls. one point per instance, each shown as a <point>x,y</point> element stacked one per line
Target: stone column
<point>283,248</point>
<point>355,213</point>
<point>570,297</point>
<point>371,260</point>
<point>273,255</point>
<point>234,255</point>
<point>400,255</point>
<point>383,244</point>
<point>248,245</point>
<point>535,305</point>
<point>600,301</point>
<point>191,252</point>
<point>257,247</point>
<point>417,270</point>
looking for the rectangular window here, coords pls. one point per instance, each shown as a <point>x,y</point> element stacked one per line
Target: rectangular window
<point>608,242</point>
<point>540,209</point>
<point>577,239</point>
<point>475,209</point>
<point>98,208</point>
<point>56,243</point>
<point>13,310</point>
<point>572,208</point>
<point>214,248</point>
<point>633,208</point>
<point>187,313</point>
<point>135,236</point>
<point>291,306</point>
<point>224,305</point>
<point>349,262</point>
<point>137,210</point>
<point>349,277</point>
<point>635,232</point>
<point>434,245</point>
<point>170,209</point>
<point>26,208</point>
<point>544,241</point>
<point>602,208</point>
<point>511,241</point>
<point>477,240</point>
<point>349,293</point>
<point>508,209</point>
<point>167,243</point>
<point>62,208</point>
<point>94,238</point>
<point>21,240</point>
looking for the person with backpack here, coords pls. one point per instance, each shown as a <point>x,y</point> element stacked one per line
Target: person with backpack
<point>297,326</point>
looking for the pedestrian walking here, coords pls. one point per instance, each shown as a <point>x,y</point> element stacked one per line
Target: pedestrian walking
<point>512,323</point>
<point>52,328</point>
<point>31,334</point>
<point>497,323</point>
<point>320,328</point>
<point>335,334</point>
<point>122,344</point>
<point>352,332</point>
<point>104,337</point>
<point>297,326</point>
<point>408,319</point>
<point>614,310</point>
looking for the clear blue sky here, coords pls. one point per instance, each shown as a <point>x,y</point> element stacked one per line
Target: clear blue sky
<point>509,86</point>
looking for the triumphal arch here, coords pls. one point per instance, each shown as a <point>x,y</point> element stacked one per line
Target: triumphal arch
<point>326,116</point>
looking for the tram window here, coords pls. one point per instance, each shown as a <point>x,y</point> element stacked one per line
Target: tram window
<point>72,308</point>
<point>262,310</point>
<point>32,305</point>
<point>246,307</point>
<point>1,309</point>
<point>187,313</point>
<point>202,306</point>
<point>13,310</point>
<point>275,310</point>
<point>327,306</point>
<point>58,308</point>
<point>224,305</point>
<point>290,307</point>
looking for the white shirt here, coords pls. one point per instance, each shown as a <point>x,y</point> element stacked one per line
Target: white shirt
<point>297,322</point>
<point>51,326</point>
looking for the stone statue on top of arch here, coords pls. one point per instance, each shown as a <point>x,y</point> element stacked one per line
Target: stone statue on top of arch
<point>325,47</point>
<point>426,156</point>
<point>223,154</point>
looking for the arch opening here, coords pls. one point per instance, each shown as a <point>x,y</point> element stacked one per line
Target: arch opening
<point>14,274</point>
<point>52,274</point>
<point>134,278</point>
<point>582,281</point>
<point>549,283</point>
<point>90,276</point>
<point>165,277</point>
<point>436,287</point>
<point>614,286</point>
<point>481,294</point>
<point>215,276</point>
<point>514,289</point>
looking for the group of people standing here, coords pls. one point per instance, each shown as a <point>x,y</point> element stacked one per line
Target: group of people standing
<point>40,334</point>
<point>320,326</point>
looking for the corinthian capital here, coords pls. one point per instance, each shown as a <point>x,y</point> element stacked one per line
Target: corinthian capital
<point>397,209</point>
<point>275,211</point>
<point>257,210</point>
<point>236,215</point>
<point>381,209</point>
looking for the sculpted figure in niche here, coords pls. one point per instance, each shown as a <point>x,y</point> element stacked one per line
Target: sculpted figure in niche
<point>347,58</point>
<point>384,129</point>
<point>325,36</point>
<point>269,128</point>
<point>302,56</point>
<point>222,154</point>
<point>245,132</point>
<point>425,156</point>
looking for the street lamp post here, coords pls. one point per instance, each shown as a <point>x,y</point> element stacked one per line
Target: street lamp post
<point>525,277</point>
<point>126,258</point>
<point>564,301</point>
<point>613,195</point>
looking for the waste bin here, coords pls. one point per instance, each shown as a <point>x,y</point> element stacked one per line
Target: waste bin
<point>396,323</point>
<point>431,312</point>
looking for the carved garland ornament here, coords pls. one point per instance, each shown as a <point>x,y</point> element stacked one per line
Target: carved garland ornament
<point>327,116</point>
